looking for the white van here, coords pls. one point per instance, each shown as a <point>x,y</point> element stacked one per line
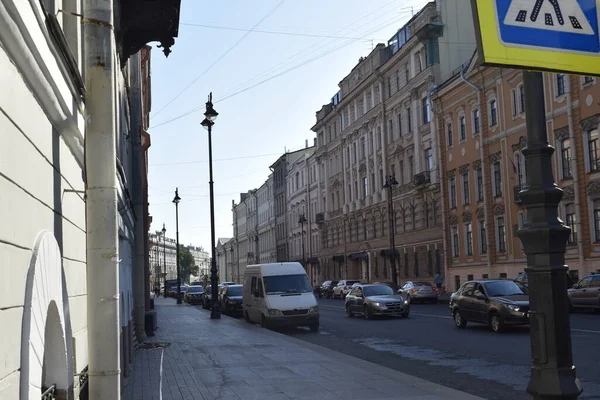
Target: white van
<point>279,294</point>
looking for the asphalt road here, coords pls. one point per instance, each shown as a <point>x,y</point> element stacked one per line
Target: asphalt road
<point>475,360</point>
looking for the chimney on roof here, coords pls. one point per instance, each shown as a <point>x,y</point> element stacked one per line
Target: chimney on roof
<point>306,144</point>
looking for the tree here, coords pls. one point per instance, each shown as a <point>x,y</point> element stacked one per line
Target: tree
<point>187,264</point>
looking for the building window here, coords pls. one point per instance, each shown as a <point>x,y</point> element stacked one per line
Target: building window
<point>497,179</point>
<point>476,121</point>
<point>411,165</point>
<point>465,182</point>
<point>455,244</point>
<point>399,125</point>
<point>560,84</point>
<point>594,150</point>
<point>426,110</point>
<point>463,128</point>
<point>365,187</point>
<point>363,147</point>
<point>297,180</point>
<point>571,221</point>
<point>521,99</point>
<point>482,237</point>
<point>588,79</point>
<point>449,134</point>
<point>479,176</point>
<point>493,113</point>
<point>401,177</point>
<point>565,158</point>
<point>408,120</point>
<point>469,239</point>
<point>391,130</point>
<point>519,165</point>
<point>407,72</point>
<point>597,220</point>
<point>389,86</point>
<point>398,80</point>
<point>452,190</point>
<point>429,159</point>
<point>501,235</point>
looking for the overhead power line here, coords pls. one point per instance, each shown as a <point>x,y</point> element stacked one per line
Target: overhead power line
<point>321,55</point>
<point>275,32</point>
<point>219,159</point>
<point>221,57</point>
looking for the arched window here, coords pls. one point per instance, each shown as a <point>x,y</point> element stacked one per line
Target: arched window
<point>571,221</point>
<point>520,169</point>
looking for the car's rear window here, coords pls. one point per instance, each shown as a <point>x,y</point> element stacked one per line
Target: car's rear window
<point>422,284</point>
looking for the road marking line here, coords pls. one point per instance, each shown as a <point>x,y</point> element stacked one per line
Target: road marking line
<point>584,330</point>
<point>331,306</point>
<point>162,353</point>
<point>432,315</point>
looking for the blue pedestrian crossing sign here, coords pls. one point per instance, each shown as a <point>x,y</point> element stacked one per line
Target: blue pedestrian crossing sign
<point>556,35</point>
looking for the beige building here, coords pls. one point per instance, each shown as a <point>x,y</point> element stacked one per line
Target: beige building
<point>481,119</point>
<point>380,123</point>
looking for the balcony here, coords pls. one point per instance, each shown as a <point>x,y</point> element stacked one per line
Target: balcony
<point>320,218</point>
<point>516,197</point>
<point>422,179</point>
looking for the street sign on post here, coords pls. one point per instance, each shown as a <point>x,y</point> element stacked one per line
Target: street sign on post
<point>549,35</point>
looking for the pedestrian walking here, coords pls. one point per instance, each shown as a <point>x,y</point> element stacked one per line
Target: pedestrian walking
<point>438,282</point>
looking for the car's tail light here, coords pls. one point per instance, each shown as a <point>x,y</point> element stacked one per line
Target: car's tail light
<point>414,290</point>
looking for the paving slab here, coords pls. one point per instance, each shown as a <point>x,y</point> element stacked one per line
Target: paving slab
<point>194,357</point>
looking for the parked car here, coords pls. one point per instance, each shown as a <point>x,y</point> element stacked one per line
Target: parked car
<point>279,295</point>
<point>327,289</point>
<point>376,300</point>
<point>231,300</point>
<point>194,294</point>
<point>420,291</point>
<point>173,291</point>
<point>586,293</point>
<point>207,297</point>
<point>496,302</point>
<point>228,283</point>
<point>343,287</point>
<point>523,280</point>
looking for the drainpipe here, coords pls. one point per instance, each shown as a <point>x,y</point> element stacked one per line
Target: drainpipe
<point>575,175</point>
<point>486,209</point>
<point>443,193</point>
<point>103,319</point>
<point>139,281</point>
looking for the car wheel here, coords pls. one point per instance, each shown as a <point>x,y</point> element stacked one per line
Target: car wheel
<point>367,312</point>
<point>314,328</point>
<point>496,323</point>
<point>348,312</point>
<point>458,319</point>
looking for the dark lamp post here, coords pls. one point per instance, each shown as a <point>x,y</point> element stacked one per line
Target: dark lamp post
<point>208,123</point>
<point>176,201</point>
<point>164,232</point>
<point>390,182</point>
<point>302,221</point>
<point>544,238</point>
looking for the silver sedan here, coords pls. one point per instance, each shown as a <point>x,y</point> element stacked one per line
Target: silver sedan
<point>419,291</point>
<point>376,300</point>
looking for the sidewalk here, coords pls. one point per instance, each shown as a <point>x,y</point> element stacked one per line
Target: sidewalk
<point>230,359</point>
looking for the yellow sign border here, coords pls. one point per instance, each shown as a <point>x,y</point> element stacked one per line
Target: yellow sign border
<point>494,53</point>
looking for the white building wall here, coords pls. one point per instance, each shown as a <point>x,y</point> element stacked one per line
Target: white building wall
<point>46,195</point>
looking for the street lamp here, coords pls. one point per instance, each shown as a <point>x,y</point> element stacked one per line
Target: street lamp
<point>544,238</point>
<point>176,201</point>
<point>390,182</point>
<point>164,232</point>
<point>301,221</point>
<point>209,121</point>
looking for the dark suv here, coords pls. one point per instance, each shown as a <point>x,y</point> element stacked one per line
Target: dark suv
<point>497,302</point>
<point>326,289</point>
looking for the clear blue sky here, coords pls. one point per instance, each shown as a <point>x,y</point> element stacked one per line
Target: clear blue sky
<point>254,126</point>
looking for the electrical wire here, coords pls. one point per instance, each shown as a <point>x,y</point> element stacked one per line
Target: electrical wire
<point>221,57</point>
<point>325,53</point>
<point>274,32</point>
<point>219,159</point>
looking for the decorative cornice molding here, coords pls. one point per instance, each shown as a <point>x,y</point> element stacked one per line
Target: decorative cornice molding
<point>477,165</point>
<point>520,145</point>
<point>561,133</point>
<point>495,157</point>
<point>481,214</point>
<point>452,173</point>
<point>498,209</point>
<point>591,123</point>
<point>568,193</point>
<point>466,217</point>
<point>463,169</point>
<point>452,220</point>
<point>593,190</point>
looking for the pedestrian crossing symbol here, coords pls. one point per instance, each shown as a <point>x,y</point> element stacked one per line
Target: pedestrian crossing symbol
<point>557,35</point>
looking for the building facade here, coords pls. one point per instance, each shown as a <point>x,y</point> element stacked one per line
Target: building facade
<point>163,256</point>
<point>380,124</point>
<point>225,258</point>
<point>50,235</point>
<point>266,222</point>
<point>202,260</point>
<point>481,119</point>
<point>297,204</point>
